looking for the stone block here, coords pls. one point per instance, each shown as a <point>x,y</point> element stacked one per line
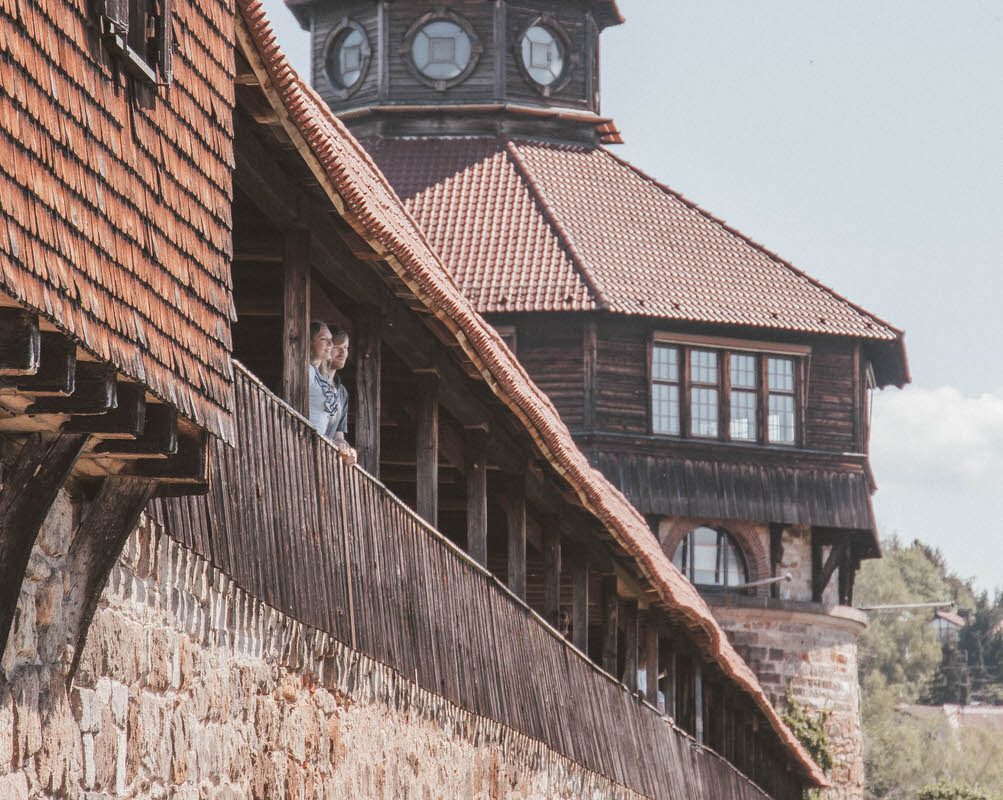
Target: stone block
<point>14,786</point>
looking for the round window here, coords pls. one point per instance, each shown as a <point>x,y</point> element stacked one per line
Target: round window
<point>347,57</point>
<point>543,55</point>
<point>441,50</point>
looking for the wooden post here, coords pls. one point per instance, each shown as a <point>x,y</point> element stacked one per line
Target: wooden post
<point>552,570</point>
<point>516,506</point>
<point>30,486</point>
<point>427,448</point>
<point>816,568</point>
<point>672,690</point>
<point>477,494</point>
<point>610,624</point>
<point>651,645</point>
<point>296,319</point>
<point>580,602</point>
<point>776,555</point>
<point>591,351</point>
<point>368,371</point>
<point>630,644</point>
<point>697,699</point>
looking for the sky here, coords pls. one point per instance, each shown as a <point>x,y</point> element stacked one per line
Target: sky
<point>862,140</point>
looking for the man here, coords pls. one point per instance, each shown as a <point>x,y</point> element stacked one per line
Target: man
<point>328,396</point>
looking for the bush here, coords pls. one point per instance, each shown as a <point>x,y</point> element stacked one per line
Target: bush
<point>811,732</point>
<point>950,791</point>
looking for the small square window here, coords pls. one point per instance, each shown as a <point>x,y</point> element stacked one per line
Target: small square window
<point>441,50</point>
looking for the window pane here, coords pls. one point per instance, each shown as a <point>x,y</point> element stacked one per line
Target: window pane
<point>679,558</point>
<point>665,363</point>
<point>703,366</point>
<point>781,374</point>
<point>743,416</point>
<point>703,411</point>
<point>705,556</point>
<point>736,573</point>
<point>665,408</point>
<point>781,418</point>
<point>743,371</point>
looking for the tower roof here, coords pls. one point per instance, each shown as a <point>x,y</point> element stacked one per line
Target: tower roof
<point>532,226</point>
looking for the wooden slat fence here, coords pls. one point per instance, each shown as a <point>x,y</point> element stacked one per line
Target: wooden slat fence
<point>333,548</point>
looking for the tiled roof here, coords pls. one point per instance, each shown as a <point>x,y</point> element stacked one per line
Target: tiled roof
<point>639,247</point>
<point>370,205</point>
<point>115,219</point>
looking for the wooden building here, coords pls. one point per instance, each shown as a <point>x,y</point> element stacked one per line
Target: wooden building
<point>172,175</point>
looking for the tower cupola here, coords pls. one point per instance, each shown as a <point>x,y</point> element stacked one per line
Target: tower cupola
<point>475,67</point>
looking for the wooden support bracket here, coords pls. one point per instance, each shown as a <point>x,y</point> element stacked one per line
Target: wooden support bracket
<point>56,369</point>
<point>95,392</point>
<point>29,489</point>
<point>157,437</point>
<point>20,342</point>
<point>96,545</point>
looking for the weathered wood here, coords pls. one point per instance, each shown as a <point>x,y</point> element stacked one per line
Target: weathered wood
<point>427,447</point>
<point>580,600</point>
<point>95,392</point>
<point>551,569</point>
<point>817,586</point>
<point>187,465</point>
<point>96,545</point>
<point>127,421</point>
<point>847,568</point>
<point>652,645</point>
<point>477,495</point>
<point>672,689</point>
<point>20,342</point>
<point>30,486</point>
<point>629,615</point>
<point>836,555</point>
<point>296,318</point>
<point>776,555</point>
<point>515,506</point>
<point>56,368</point>
<point>698,700</point>
<point>590,351</point>
<point>368,388</point>
<point>610,624</point>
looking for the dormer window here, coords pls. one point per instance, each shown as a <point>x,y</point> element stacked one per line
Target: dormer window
<point>139,33</point>
<point>710,389</point>
<point>442,49</point>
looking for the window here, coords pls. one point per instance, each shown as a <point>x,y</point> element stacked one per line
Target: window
<point>139,33</point>
<point>709,557</point>
<point>543,56</point>
<point>708,392</point>
<point>665,390</point>
<point>347,57</point>
<point>442,49</point>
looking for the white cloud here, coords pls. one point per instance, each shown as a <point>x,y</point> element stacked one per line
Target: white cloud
<point>938,459</point>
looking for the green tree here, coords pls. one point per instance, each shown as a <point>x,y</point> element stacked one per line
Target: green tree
<point>951,791</point>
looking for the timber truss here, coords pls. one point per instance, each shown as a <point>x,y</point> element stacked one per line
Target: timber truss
<point>67,420</point>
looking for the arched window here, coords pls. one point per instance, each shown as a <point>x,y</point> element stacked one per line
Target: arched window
<point>709,557</point>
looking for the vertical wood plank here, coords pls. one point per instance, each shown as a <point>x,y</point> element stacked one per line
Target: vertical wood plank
<point>551,569</point>
<point>817,588</point>
<point>477,495</point>
<point>698,732</point>
<point>296,318</point>
<point>591,353</point>
<point>776,555</point>
<point>368,388</point>
<point>630,643</point>
<point>516,502</point>
<point>580,602</point>
<point>651,666</point>
<point>610,624</point>
<point>428,447</point>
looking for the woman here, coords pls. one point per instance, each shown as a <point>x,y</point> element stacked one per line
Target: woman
<point>328,396</point>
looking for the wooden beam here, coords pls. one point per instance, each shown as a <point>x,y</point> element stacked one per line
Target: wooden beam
<point>126,421</point>
<point>56,368</point>
<point>580,601</point>
<point>20,341</point>
<point>698,732</point>
<point>427,447</point>
<point>296,318</point>
<point>776,555</point>
<point>610,624</point>
<point>651,653</point>
<point>816,568</point>
<point>552,570</point>
<point>629,615</point>
<point>672,687</point>
<point>157,422</point>
<point>590,352</point>
<point>97,543</point>
<point>188,465</point>
<point>477,495</point>
<point>30,486</point>
<point>847,570</point>
<point>95,392</point>
<point>833,561</point>
<point>515,505</point>
<point>368,388</point>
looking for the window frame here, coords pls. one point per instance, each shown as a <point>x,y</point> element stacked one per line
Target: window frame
<point>726,347</point>
<point>117,27</point>
<point>721,562</point>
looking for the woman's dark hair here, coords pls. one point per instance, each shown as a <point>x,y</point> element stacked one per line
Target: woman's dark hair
<point>337,334</point>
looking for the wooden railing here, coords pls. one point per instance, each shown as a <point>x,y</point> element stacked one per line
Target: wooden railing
<point>332,547</point>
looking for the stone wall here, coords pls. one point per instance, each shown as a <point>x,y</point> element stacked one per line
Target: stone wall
<point>808,651</point>
<point>190,688</point>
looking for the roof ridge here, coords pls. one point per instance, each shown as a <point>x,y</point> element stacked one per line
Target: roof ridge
<point>752,242</point>
<point>563,235</point>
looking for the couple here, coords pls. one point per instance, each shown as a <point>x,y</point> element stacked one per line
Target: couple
<point>328,395</point>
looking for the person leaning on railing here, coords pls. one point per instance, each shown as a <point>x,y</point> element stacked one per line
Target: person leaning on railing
<point>328,395</point>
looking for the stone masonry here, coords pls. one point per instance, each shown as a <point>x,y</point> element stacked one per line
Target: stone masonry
<point>190,688</point>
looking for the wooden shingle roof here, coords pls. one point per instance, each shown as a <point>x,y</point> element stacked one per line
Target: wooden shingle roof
<point>115,219</point>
